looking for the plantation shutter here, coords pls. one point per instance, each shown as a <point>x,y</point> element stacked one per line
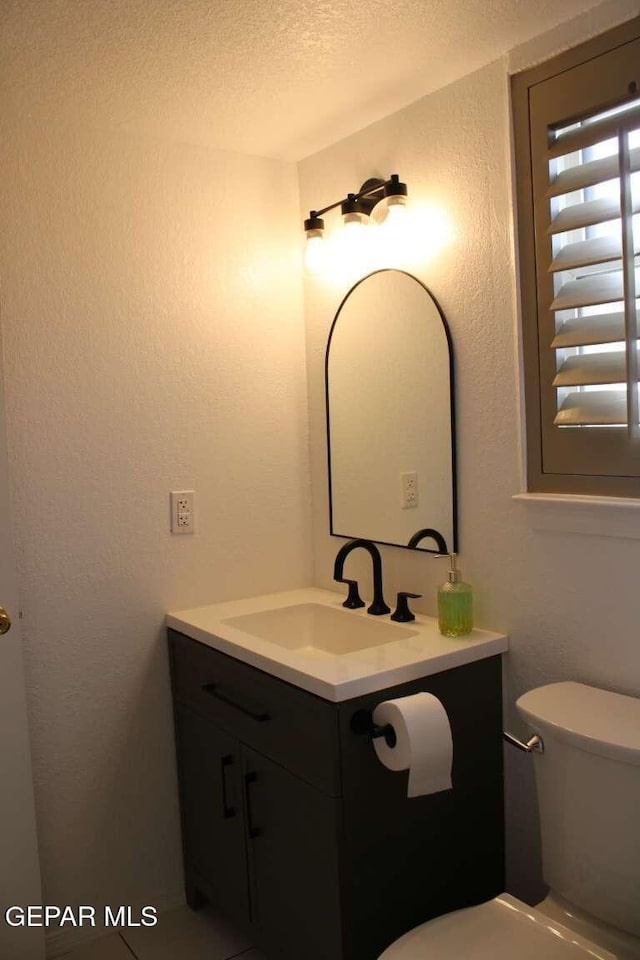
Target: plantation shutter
<point>584,127</point>
<point>593,197</point>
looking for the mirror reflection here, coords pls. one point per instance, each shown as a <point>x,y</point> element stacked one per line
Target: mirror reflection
<point>390,417</point>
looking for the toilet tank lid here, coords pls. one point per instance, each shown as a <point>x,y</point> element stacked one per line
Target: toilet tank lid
<point>591,719</point>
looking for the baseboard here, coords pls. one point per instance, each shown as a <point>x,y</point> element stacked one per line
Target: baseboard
<point>59,941</point>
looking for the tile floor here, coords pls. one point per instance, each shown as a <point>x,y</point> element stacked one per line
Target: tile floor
<point>179,935</point>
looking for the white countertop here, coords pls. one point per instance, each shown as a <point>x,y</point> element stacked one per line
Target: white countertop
<point>421,651</point>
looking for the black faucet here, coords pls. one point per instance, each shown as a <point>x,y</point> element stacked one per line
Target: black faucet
<point>433,534</point>
<point>378,607</point>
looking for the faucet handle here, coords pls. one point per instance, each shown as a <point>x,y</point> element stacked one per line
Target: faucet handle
<point>402,614</point>
<point>353,600</point>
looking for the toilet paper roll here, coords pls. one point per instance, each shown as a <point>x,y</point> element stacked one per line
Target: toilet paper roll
<point>424,745</point>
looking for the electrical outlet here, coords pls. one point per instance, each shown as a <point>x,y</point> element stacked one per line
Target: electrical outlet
<point>182,511</point>
<point>409,490</point>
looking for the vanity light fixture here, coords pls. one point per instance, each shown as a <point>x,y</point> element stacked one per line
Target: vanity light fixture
<point>356,210</point>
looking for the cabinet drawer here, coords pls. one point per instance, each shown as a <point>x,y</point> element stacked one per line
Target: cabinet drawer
<point>291,726</point>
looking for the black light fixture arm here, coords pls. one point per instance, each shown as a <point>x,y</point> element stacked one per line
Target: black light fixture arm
<point>370,193</point>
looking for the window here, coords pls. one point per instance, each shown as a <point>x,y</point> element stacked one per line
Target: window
<point>577,145</point>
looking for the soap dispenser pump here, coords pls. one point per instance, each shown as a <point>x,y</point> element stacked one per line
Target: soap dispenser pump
<point>455,603</point>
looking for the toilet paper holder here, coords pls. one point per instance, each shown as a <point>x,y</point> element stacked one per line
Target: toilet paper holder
<point>362,723</point>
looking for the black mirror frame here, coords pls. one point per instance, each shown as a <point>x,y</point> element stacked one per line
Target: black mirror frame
<point>454,486</point>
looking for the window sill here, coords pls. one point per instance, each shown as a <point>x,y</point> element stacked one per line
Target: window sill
<point>591,516</point>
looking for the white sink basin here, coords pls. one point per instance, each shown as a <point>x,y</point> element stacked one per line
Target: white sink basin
<point>318,626</point>
<point>307,638</point>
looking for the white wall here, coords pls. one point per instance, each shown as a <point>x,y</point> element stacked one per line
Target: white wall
<point>565,599</point>
<point>152,320</point>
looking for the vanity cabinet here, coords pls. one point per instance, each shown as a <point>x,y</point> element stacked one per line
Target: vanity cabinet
<point>295,830</point>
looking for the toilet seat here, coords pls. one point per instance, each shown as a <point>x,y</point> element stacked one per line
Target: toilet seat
<point>502,929</point>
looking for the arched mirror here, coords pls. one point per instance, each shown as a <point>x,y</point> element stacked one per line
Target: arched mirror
<point>390,416</point>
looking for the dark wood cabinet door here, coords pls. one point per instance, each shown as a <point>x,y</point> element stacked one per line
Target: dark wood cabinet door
<point>212,813</point>
<point>292,831</point>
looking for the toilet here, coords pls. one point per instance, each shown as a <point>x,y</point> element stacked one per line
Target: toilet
<point>588,783</point>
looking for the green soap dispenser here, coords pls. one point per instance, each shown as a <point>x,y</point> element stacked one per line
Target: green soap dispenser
<point>455,603</point>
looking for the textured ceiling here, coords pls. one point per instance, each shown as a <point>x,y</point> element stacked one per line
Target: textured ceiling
<point>279,78</point>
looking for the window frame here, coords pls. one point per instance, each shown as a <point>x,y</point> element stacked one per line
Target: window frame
<point>568,68</point>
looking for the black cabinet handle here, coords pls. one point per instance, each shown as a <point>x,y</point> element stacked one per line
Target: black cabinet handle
<point>250,778</point>
<point>256,713</point>
<point>227,809</point>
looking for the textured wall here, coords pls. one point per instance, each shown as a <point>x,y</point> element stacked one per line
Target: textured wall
<point>152,321</point>
<point>564,598</point>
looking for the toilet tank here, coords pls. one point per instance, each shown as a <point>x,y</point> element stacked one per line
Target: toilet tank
<point>588,783</point>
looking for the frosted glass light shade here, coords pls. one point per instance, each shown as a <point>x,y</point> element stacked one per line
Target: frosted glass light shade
<point>315,252</point>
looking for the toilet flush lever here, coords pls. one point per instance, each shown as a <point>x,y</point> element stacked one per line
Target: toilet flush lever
<point>534,745</point>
